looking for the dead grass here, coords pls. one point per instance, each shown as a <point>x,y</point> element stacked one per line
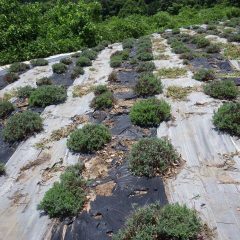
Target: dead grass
<point>81,90</point>
<point>178,93</point>
<point>232,52</point>
<point>174,72</point>
<point>161,57</point>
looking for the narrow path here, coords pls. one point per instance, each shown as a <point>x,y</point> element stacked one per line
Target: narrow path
<point>22,189</point>
<point>210,178</point>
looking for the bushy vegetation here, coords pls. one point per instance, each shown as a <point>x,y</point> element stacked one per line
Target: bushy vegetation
<point>59,68</point>
<point>213,48</point>
<point>43,81</point>
<point>67,197</point>
<point>25,92</point>
<point>66,61</point>
<point>151,157</point>
<point>89,53</point>
<point>48,27</point>
<point>128,43</point>
<point>145,67</point>
<point>103,101</point>
<point>77,71</point>
<point>118,57</point>
<point>113,77</point>
<point>201,41</point>
<point>18,67</point>
<point>227,118</point>
<point>2,169</point>
<point>39,62</point>
<point>148,85</point>
<point>222,89</point>
<point>47,94</point>
<point>11,77</point>
<point>204,75</point>
<point>83,61</point>
<point>150,112</point>
<point>22,125</point>
<point>144,49</point>
<point>5,108</point>
<point>90,138</point>
<point>157,222</point>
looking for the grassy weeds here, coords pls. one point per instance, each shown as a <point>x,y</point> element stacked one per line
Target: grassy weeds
<point>174,72</point>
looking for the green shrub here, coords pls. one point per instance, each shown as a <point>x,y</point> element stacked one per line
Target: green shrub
<point>89,53</point>
<point>103,101</point>
<point>151,156</point>
<point>213,48</point>
<point>204,75</point>
<point>128,43</point>
<point>100,89</point>
<point>222,89</point>
<point>113,77</point>
<point>146,67</point>
<point>66,61</point>
<point>47,95</point>
<point>150,112</point>
<point>201,41</point>
<point>43,81</point>
<point>176,31</point>
<point>67,197</point>
<point>21,125</point>
<point>148,85</point>
<point>116,61</point>
<point>25,92</point>
<point>90,138</point>
<point>76,55</point>
<point>211,27</point>
<point>2,169</point>
<point>5,108</point>
<point>39,62</point>
<point>83,62</point>
<point>59,68</point>
<point>18,67</point>
<point>11,77</point>
<point>156,222</point>
<point>77,71</point>
<point>227,118</point>
<point>145,56</point>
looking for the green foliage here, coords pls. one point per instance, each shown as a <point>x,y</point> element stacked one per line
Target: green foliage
<point>173,72</point>
<point>227,118</point>
<point>103,101</point>
<point>151,156</point>
<point>89,53</point>
<point>25,92</point>
<point>201,41</point>
<point>77,71</point>
<point>66,61</point>
<point>11,77</point>
<point>100,89</point>
<point>113,77</point>
<point>22,125</point>
<point>144,49</point>
<point>213,48</point>
<point>118,57</point>
<point>145,66</point>
<point>83,62</point>
<point>156,222</point>
<point>47,95</point>
<point>59,68</point>
<point>67,197</point>
<point>43,81</point>
<point>222,89</point>
<point>2,169</point>
<point>128,43</point>
<point>39,62</point>
<point>18,67</point>
<point>90,138</point>
<point>148,85</point>
<point>150,112</point>
<point>5,108</point>
<point>204,75</point>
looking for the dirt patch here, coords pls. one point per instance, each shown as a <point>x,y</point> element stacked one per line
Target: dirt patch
<point>82,90</point>
<point>105,189</point>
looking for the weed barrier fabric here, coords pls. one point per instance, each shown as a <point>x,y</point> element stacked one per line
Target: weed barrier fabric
<point>109,213</point>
